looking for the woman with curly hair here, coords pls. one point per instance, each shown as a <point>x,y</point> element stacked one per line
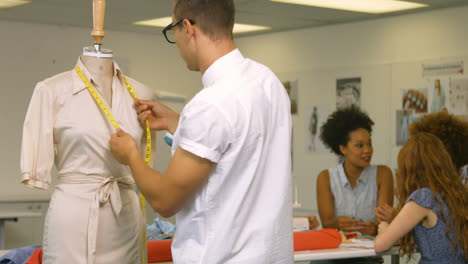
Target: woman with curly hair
<point>451,130</point>
<point>433,205</point>
<point>348,194</point>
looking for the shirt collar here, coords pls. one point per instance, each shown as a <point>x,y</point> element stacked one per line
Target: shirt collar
<point>79,85</point>
<point>222,65</point>
<point>344,180</point>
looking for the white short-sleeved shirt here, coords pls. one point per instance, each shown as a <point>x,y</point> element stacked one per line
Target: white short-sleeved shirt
<point>241,121</point>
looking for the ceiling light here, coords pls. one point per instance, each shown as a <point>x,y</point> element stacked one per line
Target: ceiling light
<point>244,28</point>
<point>12,3</point>
<point>365,6</point>
<point>156,22</point>
<point>164,21</point>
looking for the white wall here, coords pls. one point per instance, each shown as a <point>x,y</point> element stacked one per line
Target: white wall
<point>386,53</point>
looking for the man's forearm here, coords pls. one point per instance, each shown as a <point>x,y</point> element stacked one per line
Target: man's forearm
<point>149,181</point>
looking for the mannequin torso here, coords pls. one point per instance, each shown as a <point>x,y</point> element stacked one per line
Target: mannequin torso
<point>102,70</point>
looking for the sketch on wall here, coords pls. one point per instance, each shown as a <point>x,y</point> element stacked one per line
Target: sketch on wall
<point>316,115</point>
<point>439,88</point>
<point>291,88</point>
<point>415,99</point>
<point>458,96</point>
<point>404,119</point>
<point>348,92</point>
<point>402,125</point>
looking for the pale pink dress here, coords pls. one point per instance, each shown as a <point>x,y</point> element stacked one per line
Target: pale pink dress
<point>94,214</point>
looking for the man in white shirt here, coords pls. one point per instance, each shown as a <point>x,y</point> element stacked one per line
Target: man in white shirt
<point>229,179</point>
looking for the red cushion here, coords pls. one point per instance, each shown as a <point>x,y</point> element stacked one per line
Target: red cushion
<point>36,257</point>
<point>317,239</point>
<point>159,251</point>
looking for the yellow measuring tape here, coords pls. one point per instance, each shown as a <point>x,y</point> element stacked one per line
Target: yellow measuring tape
<point>114,123</point>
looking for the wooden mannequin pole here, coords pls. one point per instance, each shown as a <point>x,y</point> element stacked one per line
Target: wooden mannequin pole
<point>99,10</point>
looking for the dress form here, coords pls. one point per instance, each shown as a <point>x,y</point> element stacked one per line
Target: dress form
<point>97,60</point>
<point>102,71</point>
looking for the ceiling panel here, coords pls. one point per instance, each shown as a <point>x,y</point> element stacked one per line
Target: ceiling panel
<point>121,13</point>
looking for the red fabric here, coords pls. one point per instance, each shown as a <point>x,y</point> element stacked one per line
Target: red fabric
<point>36,257</point>
<point>159,251</point>
<point>317,239</point>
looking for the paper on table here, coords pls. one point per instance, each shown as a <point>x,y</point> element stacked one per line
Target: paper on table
<point>358,243</point>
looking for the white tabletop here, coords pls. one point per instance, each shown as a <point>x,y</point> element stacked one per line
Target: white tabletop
<point>337,253</point>
<point>322,254</point>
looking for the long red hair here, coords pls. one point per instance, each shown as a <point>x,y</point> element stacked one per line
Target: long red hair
<point>423,162</point>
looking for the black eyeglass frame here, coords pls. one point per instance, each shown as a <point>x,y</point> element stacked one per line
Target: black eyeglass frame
<point>173,25</point>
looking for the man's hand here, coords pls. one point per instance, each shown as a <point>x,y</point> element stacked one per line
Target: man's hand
<point>385,213</point>
<point>123,147</point>
<point>160,116</point>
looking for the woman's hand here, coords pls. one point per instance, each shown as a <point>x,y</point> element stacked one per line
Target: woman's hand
<point>313,222</point>
<point>368,228</point>
<point>348,224</point>
<point>385,213</point>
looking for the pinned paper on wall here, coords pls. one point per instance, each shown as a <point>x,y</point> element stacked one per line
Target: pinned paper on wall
<point>457,97</point>
<point>348,92</point>
<point>291,88</point>
<point>316,116</point>
<point>404,119</point>
<point>415,99</point>
<point>439,89</point>
<point>446,68</point>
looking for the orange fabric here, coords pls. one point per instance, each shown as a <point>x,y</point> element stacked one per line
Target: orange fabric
<point>317,239</point>
<point>159,251</point>
<point>36,257</point>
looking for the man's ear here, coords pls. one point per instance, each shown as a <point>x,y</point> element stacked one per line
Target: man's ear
<point>189,29</point>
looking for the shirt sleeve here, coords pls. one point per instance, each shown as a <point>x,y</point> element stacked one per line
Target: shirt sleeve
<point>204,131</point>
<point>37,148</point>
<point>424,198</point>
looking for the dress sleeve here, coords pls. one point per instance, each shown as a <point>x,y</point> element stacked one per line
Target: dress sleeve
<point>37,148</point>
<point>424,198</point>
<point>204,131</point>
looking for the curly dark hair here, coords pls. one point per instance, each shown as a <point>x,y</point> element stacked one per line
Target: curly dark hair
<point>335,131</point>
<point>452,131</point>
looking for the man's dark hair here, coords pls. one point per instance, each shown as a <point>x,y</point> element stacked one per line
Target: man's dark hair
<point>214,17</point>
<point>335,131</point>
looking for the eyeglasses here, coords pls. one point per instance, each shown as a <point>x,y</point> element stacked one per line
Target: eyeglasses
<point>169,34</point>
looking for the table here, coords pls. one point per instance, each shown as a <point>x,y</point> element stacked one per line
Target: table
<point>344,252</point>
<point>323,254</point>
<point>13,216</point>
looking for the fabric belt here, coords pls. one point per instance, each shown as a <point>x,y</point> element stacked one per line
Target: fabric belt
<point>108,190</point>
